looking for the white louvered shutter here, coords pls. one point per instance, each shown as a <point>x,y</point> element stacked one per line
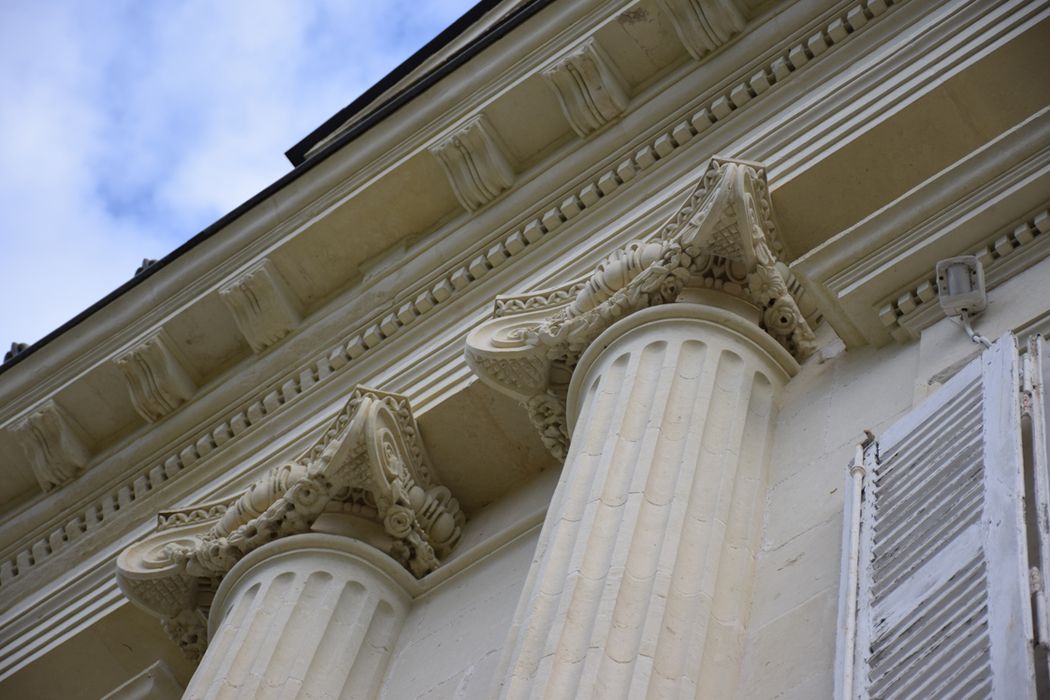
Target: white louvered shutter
<point>943,597</point>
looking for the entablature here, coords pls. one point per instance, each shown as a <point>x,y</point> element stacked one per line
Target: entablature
<point>407,285</point>
<point>302,235</point>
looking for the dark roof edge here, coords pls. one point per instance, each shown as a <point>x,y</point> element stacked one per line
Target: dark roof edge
<point>297,153</point>
<point>499,30</point>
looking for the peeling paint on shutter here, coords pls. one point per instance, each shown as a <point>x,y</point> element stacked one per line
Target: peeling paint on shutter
<point>944,605</point>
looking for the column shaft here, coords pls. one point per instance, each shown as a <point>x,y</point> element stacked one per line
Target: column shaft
<point>641,583</point>
<point>303,618</point>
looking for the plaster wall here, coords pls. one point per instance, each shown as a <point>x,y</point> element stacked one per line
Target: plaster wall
<point>451,641</point>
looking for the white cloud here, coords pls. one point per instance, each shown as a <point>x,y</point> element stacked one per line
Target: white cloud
<point>127,127</point>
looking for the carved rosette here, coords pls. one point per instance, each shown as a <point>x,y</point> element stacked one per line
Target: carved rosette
<point>721,238</point>
<point>370,462</point>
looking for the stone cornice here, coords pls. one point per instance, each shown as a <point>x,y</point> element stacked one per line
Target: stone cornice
<point>303,205</point>
<point>618,173</point>
<point>935,42</point>
<point>419,300</point>
<point>1004,255</point>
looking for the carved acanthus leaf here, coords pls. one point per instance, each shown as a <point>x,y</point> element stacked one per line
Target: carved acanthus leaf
<point>547,413</point>
<point>722,237</point>
<point>370,462</point>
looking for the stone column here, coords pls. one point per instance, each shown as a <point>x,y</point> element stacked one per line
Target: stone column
<point>641,582</point>
<point>309,616</point>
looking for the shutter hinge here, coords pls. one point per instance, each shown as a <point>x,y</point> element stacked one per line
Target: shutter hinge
<point>1030,382</point>
<point>1035,583</point>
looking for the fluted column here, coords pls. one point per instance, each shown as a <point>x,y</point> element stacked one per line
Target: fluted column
<point>309,616</point>
<point>642,578</point>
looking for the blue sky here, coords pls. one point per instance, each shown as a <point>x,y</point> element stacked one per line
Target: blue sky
<point>128,126</point>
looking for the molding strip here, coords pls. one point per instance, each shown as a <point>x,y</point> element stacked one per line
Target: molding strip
<point>1006,254</point>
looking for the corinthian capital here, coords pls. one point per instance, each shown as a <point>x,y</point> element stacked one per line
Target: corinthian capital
<point>721,238</point>
<point>370,463</point>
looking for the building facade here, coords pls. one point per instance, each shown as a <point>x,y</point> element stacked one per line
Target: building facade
<point>598,351</point>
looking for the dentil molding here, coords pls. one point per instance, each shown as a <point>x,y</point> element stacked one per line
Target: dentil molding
<point>874,281</point>
<point>370,465</point>
<point>1004,256</point>
<point>430,295</point>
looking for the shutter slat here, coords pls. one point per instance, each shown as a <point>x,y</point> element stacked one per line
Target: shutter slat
<point>953,482</point>
<point>966,397</point>
<point>942,595</point>
<point>969,426</point>
<point>954,518</point>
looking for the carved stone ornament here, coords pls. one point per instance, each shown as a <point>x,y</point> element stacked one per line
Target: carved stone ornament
<point>475,162</point>
<point>157,378</point>
<point>370,463</point>
<point>262,305</point>
<point>53,444</point>
<point>704,25</point>
<point>722,238</point>
<point>587,87</point>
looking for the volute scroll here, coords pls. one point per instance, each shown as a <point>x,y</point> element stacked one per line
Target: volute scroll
<point>722,238</point>
<point>370,463</point>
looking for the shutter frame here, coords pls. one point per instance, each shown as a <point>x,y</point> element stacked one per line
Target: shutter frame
<point>1036,369</point>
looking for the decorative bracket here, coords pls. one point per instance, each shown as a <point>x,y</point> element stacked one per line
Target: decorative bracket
<point>590,92</point>
<point>157,380</point>
<point>370,463</point>
<point>723,237</point>
<point>53,443</point>
<point>476,164</point>
<point>704,25</point>
<point>262,305</point>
